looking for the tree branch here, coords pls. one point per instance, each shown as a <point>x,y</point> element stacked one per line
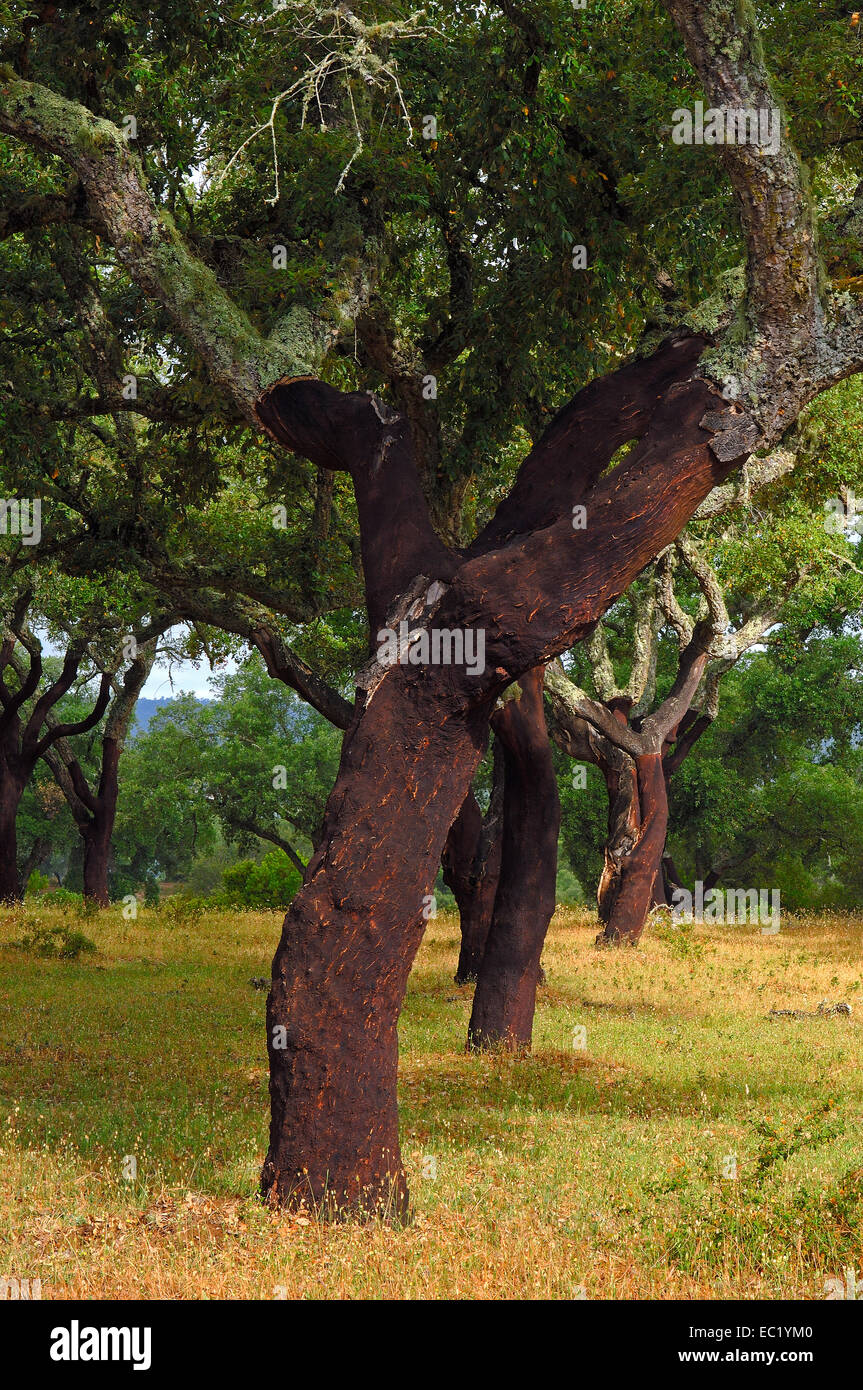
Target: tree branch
<point>153,252</point>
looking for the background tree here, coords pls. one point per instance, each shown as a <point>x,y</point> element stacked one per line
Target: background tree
<point>533,585</point>
<point>94,809</point>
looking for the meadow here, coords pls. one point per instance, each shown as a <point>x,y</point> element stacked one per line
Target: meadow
<point>602,1165</point>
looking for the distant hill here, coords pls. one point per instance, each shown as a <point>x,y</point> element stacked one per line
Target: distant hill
<point>146,708</point>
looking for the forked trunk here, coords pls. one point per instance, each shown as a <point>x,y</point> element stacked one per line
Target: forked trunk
<point>505,998</point>
<point>349,939</point>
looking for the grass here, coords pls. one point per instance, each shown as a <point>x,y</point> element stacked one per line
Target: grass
<point>571,1172</point>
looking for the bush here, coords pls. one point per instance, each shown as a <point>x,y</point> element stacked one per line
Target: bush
<point>152,896</point>
<point>57,942</point>
<point>71,903</point>
<point>64,897</point>
<point>37,885</point>
<point>568,892</point>
<point>272,883</point>
<point>182,909</point>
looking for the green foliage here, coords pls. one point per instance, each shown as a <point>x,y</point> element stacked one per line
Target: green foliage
<point>56,941</point>
<point>270,884</point>
<point>680,937</point>
<point>552,132</point>
<point>182,909</point>
<point>37,885</point>
<point>151,891</point>
<point>568,890</point>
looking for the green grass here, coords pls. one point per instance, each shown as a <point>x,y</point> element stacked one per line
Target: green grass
<point>566,1169</point>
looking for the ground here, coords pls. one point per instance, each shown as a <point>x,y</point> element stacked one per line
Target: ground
<point>592,1171</point>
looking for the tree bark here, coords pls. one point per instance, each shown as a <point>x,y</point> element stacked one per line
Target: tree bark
<point>100,827</point>
<point>505,998</point>
<point>94,813</point>
<point>38,850</point>
<point>346,950</point>
<point>633,856</point>
<point>471,868</point>
<point>11,791</point>
<point>351,934</point>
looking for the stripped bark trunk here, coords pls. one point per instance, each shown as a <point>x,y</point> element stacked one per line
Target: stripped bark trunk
<point>350,937</point>
<point>346,950</point>
<point>471,868</point>
<point>505,998</point>
<point>100,827</point>
<point>633,855</point>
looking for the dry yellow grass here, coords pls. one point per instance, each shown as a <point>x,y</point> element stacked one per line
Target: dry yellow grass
<point>597,1170</point>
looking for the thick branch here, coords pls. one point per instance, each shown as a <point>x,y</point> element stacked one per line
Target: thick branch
<point>151,249</point>
<point>81,726</point>
<point>263,833</point>
<point>583,438</point>
<point>723,46</point>
<point>282,664</point>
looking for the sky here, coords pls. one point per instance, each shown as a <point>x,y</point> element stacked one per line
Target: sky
<point>183,678</point>
<point>168,679</point>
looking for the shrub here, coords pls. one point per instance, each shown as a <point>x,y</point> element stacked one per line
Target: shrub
<point>182,909</point>
<point>64,897</point>
<point>152,896</point>
<point>37,885</point>
<point>272,883</point>
<point>57,942</point>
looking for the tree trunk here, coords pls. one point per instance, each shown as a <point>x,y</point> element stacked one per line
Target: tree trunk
<point>505,998</point>
<point>633,856</point>
<point>38,850</point>
<point>471,868</point>
<point>341,968</point>
<point>97,848</point>
<point>10,797</point>
<point>99,829</point>
<point>347,946</point>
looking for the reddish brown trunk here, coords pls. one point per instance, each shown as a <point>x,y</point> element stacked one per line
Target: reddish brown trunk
<point>341,968</point>
<point>10,797</point>
<point>505,998</point>
<point>633,855</point>
<point>471,865</point>
<point>99,828</point>
<point>347,944</point>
